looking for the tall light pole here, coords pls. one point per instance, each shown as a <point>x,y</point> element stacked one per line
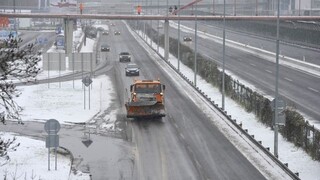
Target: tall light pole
<point>277,86</point>
<point>14,11</point>
<point>179,38</point>
<point>151,34</point>
<point>224,52</point>
<point>158,28</point>
<point>213,7</point>
<point>234,7</point>
<point>299,7</point>
<point>195,46</point>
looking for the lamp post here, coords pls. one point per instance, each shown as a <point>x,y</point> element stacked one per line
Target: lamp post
<point>14,11</point>
<point>158,28</point>
<point>195,47</point>
<point>277,87</point>
<point>179,38</point>
<point>213,7</point>
<point>224,43</point>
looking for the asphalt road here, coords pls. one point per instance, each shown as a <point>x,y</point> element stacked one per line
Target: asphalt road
<point>184,138</point>
<point>183,145</point>
<point>300,89</point>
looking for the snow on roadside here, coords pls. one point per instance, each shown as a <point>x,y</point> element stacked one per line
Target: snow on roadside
<point>31,162</point>
<point>64,102</point>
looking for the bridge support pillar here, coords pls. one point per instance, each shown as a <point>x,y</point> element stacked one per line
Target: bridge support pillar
<point>166,40</point>
<point>68,38</point>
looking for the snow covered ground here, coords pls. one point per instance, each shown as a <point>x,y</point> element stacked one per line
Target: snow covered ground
<point>65,103</point>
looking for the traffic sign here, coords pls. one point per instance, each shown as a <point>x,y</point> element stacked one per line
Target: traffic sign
<point>87,81</point>
<point>281,104</point>
<point>87,142</point>
<point>52,140</point>
<point>281,119</point>
<point>52,126</point>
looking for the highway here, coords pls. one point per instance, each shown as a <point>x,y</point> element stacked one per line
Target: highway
<point>158,147</point>
<point>300,89</point>
<point>189,143</point>
<point>185,144</point>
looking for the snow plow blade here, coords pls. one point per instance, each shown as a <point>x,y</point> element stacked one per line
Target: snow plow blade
<point>147,109</point>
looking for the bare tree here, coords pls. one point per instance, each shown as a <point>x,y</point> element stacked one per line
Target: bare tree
<point>16,63</point>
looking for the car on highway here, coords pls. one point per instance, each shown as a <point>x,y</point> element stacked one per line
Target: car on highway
<point>105,48</point>
<point>124,57</point>
<point>105,32</point>
<point>116,32</point>
<point>132,69</point>
<point>187,38</point>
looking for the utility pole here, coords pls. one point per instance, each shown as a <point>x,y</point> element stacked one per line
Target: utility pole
<point>179,38</point>
<point>277,87</point>
<point>224,52</point>
<point>195,47</point>
<point>14,11</point>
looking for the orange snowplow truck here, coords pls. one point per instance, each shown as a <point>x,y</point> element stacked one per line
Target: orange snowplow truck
<point>147,99</point>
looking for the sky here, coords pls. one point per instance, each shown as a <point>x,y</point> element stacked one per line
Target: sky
<point>54,102</point>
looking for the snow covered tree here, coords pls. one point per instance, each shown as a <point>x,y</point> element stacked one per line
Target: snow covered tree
<point>16,64</point>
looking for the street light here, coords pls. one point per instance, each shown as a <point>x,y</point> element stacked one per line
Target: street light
<point>277,87</point>
<point>14,11</point>
<point>224,43</point>
<point>195,46</point>
<point>179,38</point>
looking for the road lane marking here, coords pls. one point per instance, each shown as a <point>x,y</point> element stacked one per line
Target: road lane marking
<point>314,90</point>
<point>288,79</point>
<point>268,71</point>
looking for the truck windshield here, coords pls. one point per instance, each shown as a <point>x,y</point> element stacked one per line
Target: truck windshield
<point>147,88</point>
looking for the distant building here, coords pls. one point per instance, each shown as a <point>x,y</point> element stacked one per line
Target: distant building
<point>24,4</point>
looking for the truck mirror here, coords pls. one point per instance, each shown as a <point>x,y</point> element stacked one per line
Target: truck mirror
<point>131,87</point>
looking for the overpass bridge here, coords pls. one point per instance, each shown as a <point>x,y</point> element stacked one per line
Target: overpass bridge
<point>69,18</point>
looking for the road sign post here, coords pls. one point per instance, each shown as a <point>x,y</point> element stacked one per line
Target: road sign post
<point>278,105</point>
<point>87,82</point>
<point>52,127</point>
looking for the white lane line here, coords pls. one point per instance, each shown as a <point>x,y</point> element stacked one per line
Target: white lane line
<point>288,79</point>
<point>182,136</point>
<point>268,71</point>
<point>314,90</point>
<point>252,64</point>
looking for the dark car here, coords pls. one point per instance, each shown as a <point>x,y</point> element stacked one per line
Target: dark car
<point>116,32</point>
<point>124,57</point>
<point>105,47</point>
<point>187,38</point>
<point>132,70</point>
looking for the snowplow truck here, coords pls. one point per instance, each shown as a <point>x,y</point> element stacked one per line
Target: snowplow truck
<point>147,99</point>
